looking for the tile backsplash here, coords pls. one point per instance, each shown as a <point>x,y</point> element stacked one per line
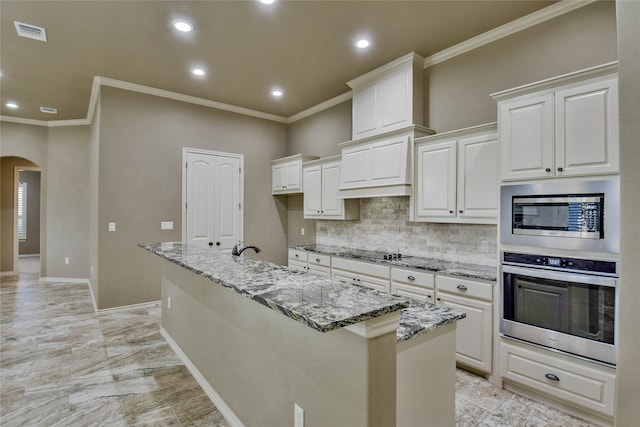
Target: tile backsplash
<point>384,226</point>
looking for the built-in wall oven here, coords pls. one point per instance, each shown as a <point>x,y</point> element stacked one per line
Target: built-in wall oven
<point>563,303</point>
<point>560,244</point>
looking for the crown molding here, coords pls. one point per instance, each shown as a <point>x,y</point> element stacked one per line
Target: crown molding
<point>520,24</point>
<point>23,121</point>
<point>320,107</point>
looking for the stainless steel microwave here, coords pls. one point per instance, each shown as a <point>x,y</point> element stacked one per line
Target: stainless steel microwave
<point>579,215</point>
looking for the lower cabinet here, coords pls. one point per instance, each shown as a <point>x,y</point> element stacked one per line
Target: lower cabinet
<point>413,284</point>
<point>474,333</point>
<point>319,264</point>
<point>373,276</point>
<point>297,260</point>
<point>577,382</point>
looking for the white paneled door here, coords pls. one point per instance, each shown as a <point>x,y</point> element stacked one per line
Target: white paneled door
<point>212,196</point>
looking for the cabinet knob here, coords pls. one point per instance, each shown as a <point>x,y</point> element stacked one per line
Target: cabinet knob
<point>411,278</point>
<point>560,169</point>
<point>552,377</point>
<point>547,170</point>
<point>460,211</point>
<point>297,256</point>
<point>317,259</point>
<point>450,211</point>
<point>462,287</point>
<point>317,211</point>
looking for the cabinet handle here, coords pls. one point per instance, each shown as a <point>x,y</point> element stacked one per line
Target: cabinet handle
<point>462,287</point>
<point>552,377</point>
<point>560,169</point>
<point>317,259</point>
<point>411,278</point>
<point>547,170</point>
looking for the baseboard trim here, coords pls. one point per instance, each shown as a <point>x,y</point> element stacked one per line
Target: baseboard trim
<point>8,273</point>
<point>201,380</point>
<point>151,304</point>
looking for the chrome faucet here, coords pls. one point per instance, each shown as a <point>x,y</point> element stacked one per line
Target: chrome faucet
<point>239,248</point>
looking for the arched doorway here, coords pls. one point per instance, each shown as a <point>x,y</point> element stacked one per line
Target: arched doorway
<point>20,220</point>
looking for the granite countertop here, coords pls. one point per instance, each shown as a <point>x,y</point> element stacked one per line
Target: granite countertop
<point>472,271</point>
<point>319,302</point>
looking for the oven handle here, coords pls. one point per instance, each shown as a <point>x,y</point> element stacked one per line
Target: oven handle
<point>555,275</point>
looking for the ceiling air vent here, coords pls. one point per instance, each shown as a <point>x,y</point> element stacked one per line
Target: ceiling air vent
<point>49,110</point>
<point>30,31</point>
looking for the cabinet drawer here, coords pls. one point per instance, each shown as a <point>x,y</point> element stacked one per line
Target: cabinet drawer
<point>317,259</point>
<point>297,265</point>
<point>459,286</point>
<point>415,292</point>
<point>298,255</point>
<point>412,277</point>
<point>360,267</point>
<point>581,383</point>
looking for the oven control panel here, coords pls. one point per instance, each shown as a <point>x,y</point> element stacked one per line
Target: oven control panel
<point>562,263</point>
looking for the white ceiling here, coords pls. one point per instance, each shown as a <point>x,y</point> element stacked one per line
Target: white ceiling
<point>304,47</point>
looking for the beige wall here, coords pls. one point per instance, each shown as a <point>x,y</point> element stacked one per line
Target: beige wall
<point>320,134</point>
<point>68,207</point>
<point>458,89</point>
<point>628,380</point>
<point>139,179</point>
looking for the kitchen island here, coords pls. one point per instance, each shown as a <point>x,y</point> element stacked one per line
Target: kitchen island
<point>329,347</point>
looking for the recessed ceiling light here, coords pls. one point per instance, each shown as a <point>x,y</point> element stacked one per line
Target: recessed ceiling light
<point>277,93</point>
<point>182,25</point>
<point>362,43</point>
<point>199,72</point>
<point>268,1</point>
<point>11,104</point>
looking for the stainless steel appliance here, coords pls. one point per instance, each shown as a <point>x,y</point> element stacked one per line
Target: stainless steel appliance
<point>563,303</point>
<point>579,215</point>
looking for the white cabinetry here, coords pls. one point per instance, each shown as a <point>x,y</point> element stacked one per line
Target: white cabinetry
<point>577,382</point>
<point>373,276</point>
<point>474,333</point>
<point>298,259</point>
<point>388,98</point>
<point>319,264</point>
<point>566,126</point>
<point>321,179</point>
<point>379,166</point>
<point>456,176</point>
<point>413,284</point>
<point>286,174</point>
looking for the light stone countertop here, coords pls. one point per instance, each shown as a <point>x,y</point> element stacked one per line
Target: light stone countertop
<point>319,302</point>
<point>471,271</point>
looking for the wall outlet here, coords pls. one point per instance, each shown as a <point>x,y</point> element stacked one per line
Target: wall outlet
<point>169,303</point>
<point>166,225</point>
<point>484,247</point>
<point>66,260</point>
<point>302,231</point>
<point>112,226</point>
<point>298,416</point>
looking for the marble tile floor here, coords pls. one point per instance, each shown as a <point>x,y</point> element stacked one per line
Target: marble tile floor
<point>61,364</point>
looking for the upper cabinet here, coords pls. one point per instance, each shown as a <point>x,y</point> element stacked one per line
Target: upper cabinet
<point>457,176</point>
<point>286,174</point>
<point>321,179</point>
<point>388,98</point>
<point>561,127</point>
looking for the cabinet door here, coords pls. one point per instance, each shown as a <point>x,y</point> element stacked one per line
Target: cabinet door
<point>278,177</point>
<point>587,129</point>
<point>436,192</point>
<point>526,133</point>
<point>477,191</point>
<point>332,205</point>
<point>312,198</point>
<point>364,112</point>
<point>395,100</point>
<point>389,162</point>
<point>410,291</point>
<point>376,283</point>
<point>473,333</point>
<point>293,175</point>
